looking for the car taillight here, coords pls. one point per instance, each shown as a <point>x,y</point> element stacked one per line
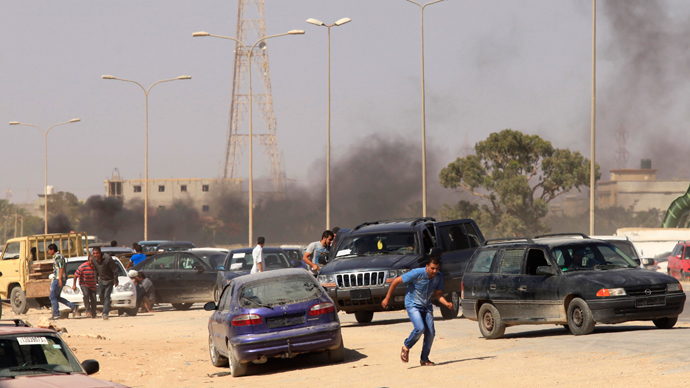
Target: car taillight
<point>322,308</point>
<point>246,320</point>
<point>462,290</point>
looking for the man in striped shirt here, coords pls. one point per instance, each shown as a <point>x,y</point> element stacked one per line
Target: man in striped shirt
<point>86,275</point>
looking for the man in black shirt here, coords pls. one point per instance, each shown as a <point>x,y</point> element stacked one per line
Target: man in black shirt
<point>107,271</point>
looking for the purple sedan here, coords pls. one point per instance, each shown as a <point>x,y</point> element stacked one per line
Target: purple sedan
<point>279,313</point>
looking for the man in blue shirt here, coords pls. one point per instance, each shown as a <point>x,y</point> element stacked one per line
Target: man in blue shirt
<point>138,257</point>
<point>422,284</point>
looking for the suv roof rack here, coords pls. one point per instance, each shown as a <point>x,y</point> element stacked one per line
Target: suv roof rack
<point>17,322</point>
<point>562,234</point>
<point>412,220</point>
<point>507,240</point>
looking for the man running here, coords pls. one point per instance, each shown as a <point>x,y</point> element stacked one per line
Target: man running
<point>422,284</point>
<point>317,252</point>
<point>59,279</point>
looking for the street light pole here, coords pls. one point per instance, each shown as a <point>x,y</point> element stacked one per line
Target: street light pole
<point>146,140</point>
<point>424,199</point>
<point>251,104</point>
<point>328,131</point>
<point>592,178</point>
<point>45,154</point>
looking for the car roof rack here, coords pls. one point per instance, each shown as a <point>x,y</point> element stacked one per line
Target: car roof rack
<point>17,322</point>
<point>508,240</point>
<point>562,234</point>
<point>414,221</point>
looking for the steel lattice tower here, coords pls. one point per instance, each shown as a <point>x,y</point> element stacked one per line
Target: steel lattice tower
<point>622,151</point>
<point>251,26</point>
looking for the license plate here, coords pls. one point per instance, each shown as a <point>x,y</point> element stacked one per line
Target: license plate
<point>284,321</point>
<point>360,294</point>
<point>650,301</point>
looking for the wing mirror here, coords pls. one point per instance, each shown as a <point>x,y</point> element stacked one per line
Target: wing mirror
<point>210,306</point>
<point>637,261</point>
<point>545,270</point>
<point>90,366</point>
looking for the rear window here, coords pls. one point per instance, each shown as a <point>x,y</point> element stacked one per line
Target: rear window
<point>284,290</point>
<point>482,263</point>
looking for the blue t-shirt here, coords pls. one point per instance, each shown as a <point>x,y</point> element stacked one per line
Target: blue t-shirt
<point>420,288</point>
<point>138,258</point>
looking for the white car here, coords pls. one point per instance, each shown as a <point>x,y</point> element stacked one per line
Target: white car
<point>124,296</point>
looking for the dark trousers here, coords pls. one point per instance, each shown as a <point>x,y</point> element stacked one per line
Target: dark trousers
<point>104,292</point>
<point>89,299</point>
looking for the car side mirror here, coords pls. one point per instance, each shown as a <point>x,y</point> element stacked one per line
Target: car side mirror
<point>637,260</point>
<point>210,306</point>
<point>296,263</point>
<point>677,256</point>
<point>90,366</point>
<point>545,270</point>
<point>647,261</point>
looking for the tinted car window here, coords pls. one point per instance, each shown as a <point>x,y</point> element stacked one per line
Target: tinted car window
<point>22,355</point>
<point>214,261</point>
<point>189,262</point>
<point>241,261</point>
<point>377,244</point>
<point>512,261</point>
<point>458,237</point>
<point>276,260</point>
<point>482,263</point>
<point>625,246</point>
<point>161,262</point>
<point>288,290</point>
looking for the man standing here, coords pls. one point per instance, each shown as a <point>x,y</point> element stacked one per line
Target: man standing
<point>258,256</point>
<point>86,274</point>
<point>422,283</point>
<point>138,257</point>
<point>59,279</point>
<point>106,269</point>
<point>317,252</point>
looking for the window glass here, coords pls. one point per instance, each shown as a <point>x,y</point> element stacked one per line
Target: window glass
<point>22,355</point>
<point>626,246</point>
<point>226,299</point>
<point>458,237</point>
<point>275,260</point>
<point>482,264</point>
<point>677,250</point>
<point>189,262</point>
<point>161,262</point>
<point>290,289</point>
<point>12,251</point>
<point>535,258</point>
<point>512,261</point>
<point>241,261</point>
<point>385,243</point>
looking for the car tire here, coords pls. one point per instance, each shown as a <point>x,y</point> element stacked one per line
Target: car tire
<point>216,358</point>
<point>364,316</point>
<point>338,354</point>
<point>182,306</point>
<point>237,369</point>
<point>665,323</point>
<point>447,313</point>
<point>580,319</point>
<point>18,300</point>
<point>491,324</point>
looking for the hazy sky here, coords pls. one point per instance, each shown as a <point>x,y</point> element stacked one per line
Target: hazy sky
<point>490,65</point>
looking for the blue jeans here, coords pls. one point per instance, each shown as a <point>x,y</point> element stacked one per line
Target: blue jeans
<point>56,299</point>
<point>104,291</point>
<point>423,321</point>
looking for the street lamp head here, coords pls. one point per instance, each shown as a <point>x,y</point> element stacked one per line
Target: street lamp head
<point>200,33</point>
<point>296,32</point>
<point>107,77</point>
<point>14,123</point>
<point>75,120</point>
<point>315,22</point>
<point>185,77</point>
<point>342,21</point>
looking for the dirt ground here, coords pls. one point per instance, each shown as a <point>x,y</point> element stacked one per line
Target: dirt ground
<point>168,348</point>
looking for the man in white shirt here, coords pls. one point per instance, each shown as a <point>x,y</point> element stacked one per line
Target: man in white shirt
<point>258,255</point>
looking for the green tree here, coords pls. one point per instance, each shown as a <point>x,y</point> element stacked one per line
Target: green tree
<point>515,176</point>
<point>64,203</point>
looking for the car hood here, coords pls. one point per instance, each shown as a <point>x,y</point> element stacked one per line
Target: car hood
<point>624,277</point>
<point>54,381</point>
<point>371,262</point>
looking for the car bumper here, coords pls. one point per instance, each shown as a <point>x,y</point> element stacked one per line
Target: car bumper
<point>286,343</point>
<point>623,309</point>
<point>120,300</point>
<point>344,301</point>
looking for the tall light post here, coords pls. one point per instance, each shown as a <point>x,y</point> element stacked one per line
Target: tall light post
<point>592,180</point>
<point>146,157</point>
<point>328,130</point>
<point>45,154</point>
<point>424,200</point>
<point>251,104</point>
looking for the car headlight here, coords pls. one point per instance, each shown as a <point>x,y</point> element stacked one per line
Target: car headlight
<point>69,291</point>
<point>124,287</point>
<point>674,287</point>
<point>394,273</point>
<point>611,292</point>
<point>326,279</point>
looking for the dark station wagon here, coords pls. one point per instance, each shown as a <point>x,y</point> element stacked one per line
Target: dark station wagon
<point>560,280</point>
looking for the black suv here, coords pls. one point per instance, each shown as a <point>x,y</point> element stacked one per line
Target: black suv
<point>366,259</point>
<point>559,280</point>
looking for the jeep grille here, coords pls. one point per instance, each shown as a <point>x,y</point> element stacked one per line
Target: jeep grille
<point>360,279</point>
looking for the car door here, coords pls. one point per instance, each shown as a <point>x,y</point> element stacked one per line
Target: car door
<point>458,240</point>
<point>504,283</point>
<point>674,260</point>
<point>161,270</point>
<point>539,298</point>
<point>10,264</point>
<point>194,280</point>
<point>219,319</point>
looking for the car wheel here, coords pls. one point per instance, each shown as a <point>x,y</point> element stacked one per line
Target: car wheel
<point>216,358</point>
<point>182,306</point>
<point>237,369</point>
<point>451,313</point>
<point>18,299</point>
<point>580,318</point>
<point>364,316</point>
<point>490,323</point>
<point>338,354</point>
<point>566,327</point>
<point>665,323</point>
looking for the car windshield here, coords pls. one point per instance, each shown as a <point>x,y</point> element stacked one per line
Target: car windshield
<point>278,291</point>
<point>625,246</point>
<point>243,261</point>
<point>37,353</point>
<point>591,256</point>
<point>72,266</point>
<point>387,243</point>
